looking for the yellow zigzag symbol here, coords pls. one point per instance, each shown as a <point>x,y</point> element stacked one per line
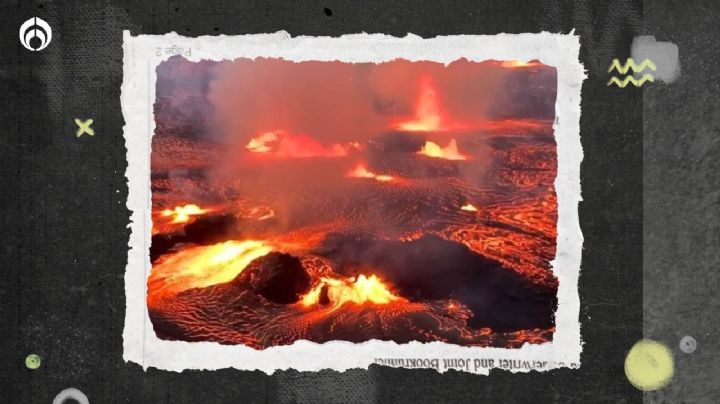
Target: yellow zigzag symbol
<point>630,64</point>
<point>630,79</point>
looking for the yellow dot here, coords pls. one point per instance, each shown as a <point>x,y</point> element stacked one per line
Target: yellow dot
<point>649,365</point>
<point>32,361</point>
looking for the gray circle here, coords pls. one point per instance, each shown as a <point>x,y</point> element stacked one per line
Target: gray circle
<point>71,393</point>
<point>688,344</point>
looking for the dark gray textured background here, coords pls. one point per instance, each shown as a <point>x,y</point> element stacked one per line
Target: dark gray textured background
<point>64,220</point>
<point>681,202</point>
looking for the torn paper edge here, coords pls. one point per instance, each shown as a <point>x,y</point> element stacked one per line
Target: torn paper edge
<point>143,53</point>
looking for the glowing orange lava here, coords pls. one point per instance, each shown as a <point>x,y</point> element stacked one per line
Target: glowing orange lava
<point>360,171</point>
<point>181,214</point>
<point>260,213</point>
<point>515,125</point>
<point>469,208</point>
<point>450,152</point>
<point>262,143</point>
<point>282,144</point>
<point>202,266</point>
<point>514,64</point>
<point>362,290</point>
<point>429,115</point>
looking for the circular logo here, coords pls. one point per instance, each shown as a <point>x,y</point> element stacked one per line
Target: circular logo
<point>35,34</point>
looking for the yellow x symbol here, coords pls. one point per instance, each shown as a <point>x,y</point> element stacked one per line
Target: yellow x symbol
<point>84,127</point>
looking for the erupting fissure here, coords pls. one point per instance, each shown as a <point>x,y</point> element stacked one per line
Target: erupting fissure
<point>363,289</point>
<point>429,115</point>
<point>401,201</point>
<point>449,152</point>
<point>360,171</point>
<point>282,144</point>
<point>181,214</point>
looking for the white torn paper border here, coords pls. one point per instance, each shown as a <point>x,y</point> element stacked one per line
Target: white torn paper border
<point>143,53</point>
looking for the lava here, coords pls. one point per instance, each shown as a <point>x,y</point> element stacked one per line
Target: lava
<point>202,266</point>
<point>514,64</point>
<point>181,214</point>
<point>282,144</point>
<point>292,239</point>
<point>360,171</point>
<point>362,290</point>
<point>262,143</point>
<point>260,213</point>
<point>514,126</point>
<point>449,152</point>
<point>429,114</point>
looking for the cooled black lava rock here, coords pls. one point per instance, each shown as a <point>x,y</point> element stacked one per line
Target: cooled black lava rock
<point>394,142</point>
<point>396,154</point>
<point>161,244</point>
<point>324,298</point>
<point>210,229</point>
<point>203,231</point>
<point>278,277</point>
<point>432,268</point>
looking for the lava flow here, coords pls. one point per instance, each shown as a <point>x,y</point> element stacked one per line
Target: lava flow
<point>354,202</point>
<point>202,266</point>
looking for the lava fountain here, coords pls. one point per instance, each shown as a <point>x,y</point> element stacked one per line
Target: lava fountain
<point>364,289</point>
<point>396,209</point>
<point>282,144</point>
<point>449,152</point>
<point>429,114</point>
<point>360,171</point>
<point>181,214</point>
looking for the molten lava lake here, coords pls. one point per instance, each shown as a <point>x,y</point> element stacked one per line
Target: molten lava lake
<point>417,223</point>
<point>435,250</point>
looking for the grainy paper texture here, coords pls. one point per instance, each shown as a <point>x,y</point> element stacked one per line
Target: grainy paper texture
<point>141,57</point>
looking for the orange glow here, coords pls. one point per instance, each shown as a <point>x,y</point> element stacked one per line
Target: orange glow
<point>202,266</point>
<point>360,171</point>
<point>429,115</point>
<point>282,144</point>
<point>330,194</point>
<point>260,213</point>
<point>515,125</point>
<point>513,64</point>
<point>450,152</point>
<point>262,143</point>
<point>181,214</point>
<point>362,290</point>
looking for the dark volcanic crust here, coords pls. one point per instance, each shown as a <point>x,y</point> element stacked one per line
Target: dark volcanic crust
<point>258,308</point>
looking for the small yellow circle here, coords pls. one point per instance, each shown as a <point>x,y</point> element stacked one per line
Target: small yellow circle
<point>33,361</point>
<point>649,365</point>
